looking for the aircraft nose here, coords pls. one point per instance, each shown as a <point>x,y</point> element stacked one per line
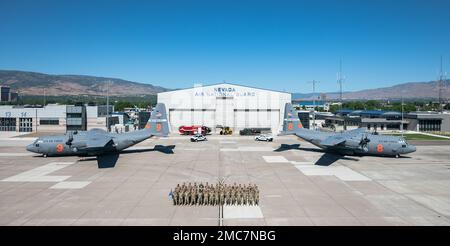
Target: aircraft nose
<point>31,148</point>
<point>411,148</point>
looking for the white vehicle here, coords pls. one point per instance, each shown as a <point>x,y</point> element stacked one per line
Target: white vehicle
<point>198,137</point>
<point>264,137</point>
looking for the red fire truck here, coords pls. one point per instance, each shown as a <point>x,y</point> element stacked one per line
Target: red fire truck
<point>191,130</point>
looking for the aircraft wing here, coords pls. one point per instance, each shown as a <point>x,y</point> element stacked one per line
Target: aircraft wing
<point>99,141</point>
<point>353,132</point>
<point>307,137</point>
<point>342,137</point>
<point>333,140</point>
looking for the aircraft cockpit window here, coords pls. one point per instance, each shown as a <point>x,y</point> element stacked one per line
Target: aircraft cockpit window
<point>37,142</point>
<point>402,141</point>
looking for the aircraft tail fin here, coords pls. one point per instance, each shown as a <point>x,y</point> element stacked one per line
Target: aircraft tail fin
<point>291,122</point>
<point>158,123</point>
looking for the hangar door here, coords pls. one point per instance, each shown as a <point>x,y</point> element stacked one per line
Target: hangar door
<point>25,124</point>
<point>8,124</point>
<point>256,118</point>
<point>188,117</point>
<point>225,111</point>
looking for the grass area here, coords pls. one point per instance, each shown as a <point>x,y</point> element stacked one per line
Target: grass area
<point>40,134</point>
<point>447,134</point>
<point>417,136</point>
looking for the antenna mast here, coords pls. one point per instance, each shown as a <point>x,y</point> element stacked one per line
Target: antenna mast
<point>314,102</point>
<point>401,126</point>
<point>107,106</point>
<point>441,88</point>
<point>340,80</point>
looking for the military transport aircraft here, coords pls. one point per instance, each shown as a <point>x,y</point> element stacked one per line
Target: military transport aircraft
<point>358,142</point>
<point>96,142</point>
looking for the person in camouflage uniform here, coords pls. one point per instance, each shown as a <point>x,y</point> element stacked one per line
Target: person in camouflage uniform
<point>175,197</point>
<point>222,197</point>
<point>233,195</point>
<point>228,195</point>
<point>200,197</point>
<point>216,196</point>
<point>245,196</point>
<point>211,197</point>
<point>206,198</point>
<point>250,196</point>
<point>186,197</point>
<point>239,196</point>
<point>256,195</point>
<point>193,196</point>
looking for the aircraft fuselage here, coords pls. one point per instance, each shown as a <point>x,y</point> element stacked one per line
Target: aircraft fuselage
<point>60,145</point>
<point>378,145</point>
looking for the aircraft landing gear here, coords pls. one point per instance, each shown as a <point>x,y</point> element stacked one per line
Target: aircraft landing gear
<point>397,156</point>
<point>44,155</point>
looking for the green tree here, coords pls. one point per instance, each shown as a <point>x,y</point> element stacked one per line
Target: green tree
<point>120,105</point>
<point>372,104</point>
<point>334,108</point>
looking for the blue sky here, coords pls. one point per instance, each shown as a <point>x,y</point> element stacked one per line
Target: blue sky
<point>271,44</point>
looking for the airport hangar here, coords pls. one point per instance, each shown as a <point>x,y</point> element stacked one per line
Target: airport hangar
<point>225,105</point>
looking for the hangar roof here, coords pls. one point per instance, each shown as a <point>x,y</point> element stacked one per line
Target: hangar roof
<point>225,84</point>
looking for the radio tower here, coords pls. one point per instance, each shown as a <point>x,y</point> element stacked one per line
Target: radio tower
<point>441,88</point>
<point>340,80</point>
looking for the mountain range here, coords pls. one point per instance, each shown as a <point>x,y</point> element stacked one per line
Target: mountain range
<point>411,90</point>
<point>31,83</point>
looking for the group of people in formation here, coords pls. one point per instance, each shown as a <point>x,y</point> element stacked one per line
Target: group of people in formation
<point>220,194</point>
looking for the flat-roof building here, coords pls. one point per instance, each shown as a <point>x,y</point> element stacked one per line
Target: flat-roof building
<point>429,121</point>
<point>389,120</point>
<point>50,118</point>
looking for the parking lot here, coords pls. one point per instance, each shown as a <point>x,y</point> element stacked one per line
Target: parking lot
<point>298,185</point>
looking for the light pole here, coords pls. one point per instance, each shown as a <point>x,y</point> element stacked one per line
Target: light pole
<point>401,124</point>
<point>107,106</point>
<point>340,80</point>
<point>314,102</point>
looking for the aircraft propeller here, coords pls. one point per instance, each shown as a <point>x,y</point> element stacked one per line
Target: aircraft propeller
<point>70,140</point>
<point>364,141</point>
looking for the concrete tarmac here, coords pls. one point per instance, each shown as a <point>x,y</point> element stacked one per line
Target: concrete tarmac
<point>298,185</point>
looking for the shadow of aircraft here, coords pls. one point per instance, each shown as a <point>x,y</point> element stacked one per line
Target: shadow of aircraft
<point>160,148</point>
<point>109,160</point>
<point>403,156</point>
<point>285,147</point>
<point>330,158</point>
<point>326,159</point>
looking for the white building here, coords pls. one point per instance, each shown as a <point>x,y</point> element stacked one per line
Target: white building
<point>226,105</point>
<point>48,118</point>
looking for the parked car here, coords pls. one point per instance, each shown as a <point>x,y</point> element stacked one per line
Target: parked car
<point>198,137</point>
<point>264,137</point>
<point>249,131</point>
